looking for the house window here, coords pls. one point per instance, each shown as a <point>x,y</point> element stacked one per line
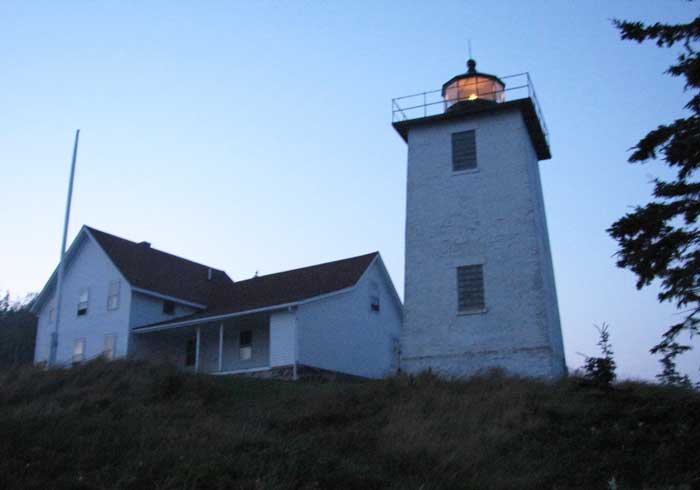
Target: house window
<point>463,151</point>
<point>169,307</point>
<point>113,296</point>
<point>83,302</point>
<point>110,346</point>
<point>470,288</point>
<point>374,297</point>
<point>191,352</point>
<point>245,342</point>
<point>78,351</point>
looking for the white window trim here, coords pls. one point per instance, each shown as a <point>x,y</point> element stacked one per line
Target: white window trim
<point>112,294</point>
<point>80,341</point>
<point>114,346</point>
<point>86,302</point>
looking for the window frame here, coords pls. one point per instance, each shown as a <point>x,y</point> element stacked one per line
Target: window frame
<point>455,151</point>
<point>113,350</point>
<point>168,307</point>
<point>79,341</point>
<point>476,308</point>
<point>245,349</point>
<point>83,305</point>
<point>111,293</point>
<point>374,298</point>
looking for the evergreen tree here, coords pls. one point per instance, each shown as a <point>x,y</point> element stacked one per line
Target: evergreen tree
<point>601,370</point>
<point>17,331</point>
<point>661,240</point>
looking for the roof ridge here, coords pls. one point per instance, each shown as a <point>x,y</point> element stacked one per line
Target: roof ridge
<point>331,262</point>
<point>92,229</point>
<point>282,289</point>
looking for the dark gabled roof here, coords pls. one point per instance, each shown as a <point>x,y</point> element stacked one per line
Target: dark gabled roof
<point>289,287</point>
<point>146,268</point>
<point>300,284</point>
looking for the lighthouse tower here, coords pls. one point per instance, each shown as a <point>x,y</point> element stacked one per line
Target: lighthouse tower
<point>479,290</point>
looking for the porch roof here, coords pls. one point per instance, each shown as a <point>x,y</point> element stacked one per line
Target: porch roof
<point>277,291</point>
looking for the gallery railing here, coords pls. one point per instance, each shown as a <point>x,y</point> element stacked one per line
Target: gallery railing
<point>432,103</point>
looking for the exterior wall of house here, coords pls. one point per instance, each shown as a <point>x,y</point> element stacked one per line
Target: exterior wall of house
<point>147,309</point>
<point>492,216</point>
<point>341,333</point>
<point>283,328</point>
<point>89,268</point>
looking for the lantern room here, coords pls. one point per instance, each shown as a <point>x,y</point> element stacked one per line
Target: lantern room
<point>473,87</point>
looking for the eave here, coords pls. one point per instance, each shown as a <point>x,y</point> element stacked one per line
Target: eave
<point>524,105</point>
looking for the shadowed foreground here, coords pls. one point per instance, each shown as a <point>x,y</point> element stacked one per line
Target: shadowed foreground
<point>131,425</point>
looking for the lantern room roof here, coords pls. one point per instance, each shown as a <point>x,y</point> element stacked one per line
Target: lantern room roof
<point>471,73</point>
<point>526,106</point>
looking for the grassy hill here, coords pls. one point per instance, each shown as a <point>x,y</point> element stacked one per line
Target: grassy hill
<point>134,426</point>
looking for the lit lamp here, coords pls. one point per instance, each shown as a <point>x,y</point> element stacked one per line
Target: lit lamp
<point>473,87</point>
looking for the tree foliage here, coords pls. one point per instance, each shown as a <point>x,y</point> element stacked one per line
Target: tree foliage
<point>601,370</point>
<point>17,332</point>
<point>661,240</point>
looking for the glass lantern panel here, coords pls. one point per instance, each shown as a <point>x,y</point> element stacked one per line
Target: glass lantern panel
<point>474,88</point>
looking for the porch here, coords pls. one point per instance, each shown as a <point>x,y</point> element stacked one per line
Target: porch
<point>234,345</point>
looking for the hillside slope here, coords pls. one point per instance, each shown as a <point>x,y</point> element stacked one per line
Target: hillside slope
<point>133,426</point>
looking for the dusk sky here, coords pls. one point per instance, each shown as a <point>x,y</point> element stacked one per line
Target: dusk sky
<point>256,136</point>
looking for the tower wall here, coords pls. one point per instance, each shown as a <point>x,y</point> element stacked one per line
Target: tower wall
<point>492,215</point>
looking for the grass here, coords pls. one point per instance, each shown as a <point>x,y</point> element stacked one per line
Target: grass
<point>129,425</point>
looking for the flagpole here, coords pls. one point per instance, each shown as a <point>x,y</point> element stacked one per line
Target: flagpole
<point>61,263</point>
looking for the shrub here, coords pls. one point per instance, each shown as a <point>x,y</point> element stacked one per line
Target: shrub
<point>601,370</point>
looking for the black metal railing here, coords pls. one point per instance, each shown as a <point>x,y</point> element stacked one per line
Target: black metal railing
<point>432,103</point>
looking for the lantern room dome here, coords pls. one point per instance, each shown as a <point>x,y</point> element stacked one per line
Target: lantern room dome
<point>473,86</point>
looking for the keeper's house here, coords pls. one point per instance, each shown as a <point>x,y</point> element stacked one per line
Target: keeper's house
<point>126,299</point>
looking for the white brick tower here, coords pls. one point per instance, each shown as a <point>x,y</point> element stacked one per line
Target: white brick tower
<point>479,289</point>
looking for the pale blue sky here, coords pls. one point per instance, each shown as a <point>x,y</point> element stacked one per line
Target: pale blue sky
<point>256,135</point>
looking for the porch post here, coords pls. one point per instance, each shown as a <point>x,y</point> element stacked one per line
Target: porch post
<point>196,350</point>
<point>221,347</point>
